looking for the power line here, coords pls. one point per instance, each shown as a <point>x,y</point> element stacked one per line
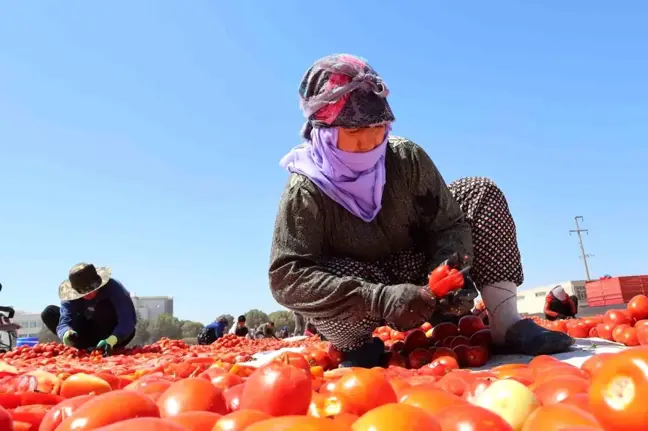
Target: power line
<point>584,256</point>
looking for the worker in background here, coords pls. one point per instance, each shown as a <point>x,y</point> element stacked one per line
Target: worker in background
<point>559,305</point>
<point>267,330</point>
<point>300,324</point>
<point>96,310</point>
<point>311,330</point>
<point>213,331</point>
<point>240,330</point>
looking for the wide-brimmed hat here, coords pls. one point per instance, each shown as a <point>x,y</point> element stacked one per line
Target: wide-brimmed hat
<point>84,279</point>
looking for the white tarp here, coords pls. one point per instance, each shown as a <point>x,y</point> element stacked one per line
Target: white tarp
<point>583,349</point>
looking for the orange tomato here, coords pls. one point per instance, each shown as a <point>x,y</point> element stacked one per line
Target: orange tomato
<point>239,420</point>
<point>192,394</point>
<point>396,417</point>
<point>430,399</point>
<point>620,389</point>
<point>558,417</point>
<point>365,390</point>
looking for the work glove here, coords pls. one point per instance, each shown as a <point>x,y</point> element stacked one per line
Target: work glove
<point>69,337</point>
<point>452,286</point>
<point>107,345</point>
<point>405,306</point>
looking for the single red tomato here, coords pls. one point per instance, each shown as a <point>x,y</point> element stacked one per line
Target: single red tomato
<point>470,324</point>
<point>429,398</point>
<point>618,330</point>
<point>192,394</point>
<point>6,422</point>
<point>468,417</point>
<point>239,420</point>
<point>195,421</point>
<point>594,363</point>
<point>444,330</point>
<point>559,417</point>
<point>9,401</point>
<point>558,389</point>
<point>142,424</point>
<point>84,384</point>
<point>365,390</point>
<point>638,307</point>
<point>604,331</point>
<point>620,389</point>
<point>579,330</point>
<point>616,317</point>
<point>396,417</point>
<point>233,397</point>
<point>629,337</point>
<point>108,408</point>
<point>61,411</point>
<point>292,423</point>
<point>268,388</point>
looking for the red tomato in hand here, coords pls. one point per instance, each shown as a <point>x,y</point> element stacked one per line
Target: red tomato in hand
<point>269,388</point>
<point>191,394</point>
<point>108,408</point>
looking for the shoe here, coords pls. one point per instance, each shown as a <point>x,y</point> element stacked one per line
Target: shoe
<point>527,338</point>
<point>369,355</point>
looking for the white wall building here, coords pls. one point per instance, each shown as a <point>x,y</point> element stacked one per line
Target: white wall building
<point>150,307</point>
<point>531,301</point>
<point>30,323</point>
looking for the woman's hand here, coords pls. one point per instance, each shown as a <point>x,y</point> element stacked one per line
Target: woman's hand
<point>406,305</point>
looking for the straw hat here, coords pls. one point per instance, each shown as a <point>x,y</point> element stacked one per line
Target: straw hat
<point>84,279</point>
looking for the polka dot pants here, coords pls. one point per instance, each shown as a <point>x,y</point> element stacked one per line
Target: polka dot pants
<point>496,257</point>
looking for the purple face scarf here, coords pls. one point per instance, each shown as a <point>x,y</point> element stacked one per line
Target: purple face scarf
<point>354,180</point>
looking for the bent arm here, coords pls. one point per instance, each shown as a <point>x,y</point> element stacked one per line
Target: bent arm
<point>572,306</point>
<point>296,279</point>
<point>442,220</point>
<point>124,309</point>
<point>69,311</point>
<point>547,309</point>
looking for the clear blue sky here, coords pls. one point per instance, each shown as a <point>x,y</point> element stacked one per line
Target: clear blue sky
<point>146,135</point>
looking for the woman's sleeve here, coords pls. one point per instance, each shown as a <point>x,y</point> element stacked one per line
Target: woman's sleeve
<point>547,308</point>
<point>441,218</point>
<point>296,280</point>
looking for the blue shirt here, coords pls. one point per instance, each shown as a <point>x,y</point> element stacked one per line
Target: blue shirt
<point>72,312</point>
<point>218,327</point>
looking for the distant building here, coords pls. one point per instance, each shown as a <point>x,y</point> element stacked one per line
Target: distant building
<point>531,301</point>
<point>30,323</point>
<point>150,307</point>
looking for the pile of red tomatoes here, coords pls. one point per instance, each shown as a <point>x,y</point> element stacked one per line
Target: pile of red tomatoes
<point>628,327</point>
<point>170,386</point>
<point>467,344</point>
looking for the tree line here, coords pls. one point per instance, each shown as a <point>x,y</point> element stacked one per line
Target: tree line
<point>166,325</point>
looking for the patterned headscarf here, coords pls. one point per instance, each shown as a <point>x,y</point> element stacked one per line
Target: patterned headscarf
<point>343,90</point>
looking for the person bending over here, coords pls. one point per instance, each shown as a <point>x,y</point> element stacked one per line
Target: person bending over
<point>96,310</point>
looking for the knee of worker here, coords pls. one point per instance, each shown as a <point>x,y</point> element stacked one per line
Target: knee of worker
<point>474,185</point>
<point>50,317</point>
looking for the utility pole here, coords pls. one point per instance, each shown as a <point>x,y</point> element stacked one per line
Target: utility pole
<point>584,256</point>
